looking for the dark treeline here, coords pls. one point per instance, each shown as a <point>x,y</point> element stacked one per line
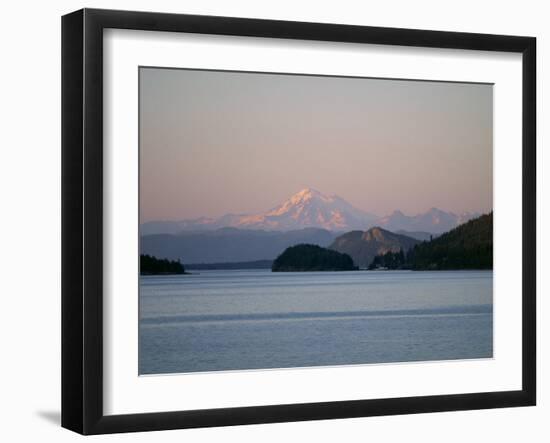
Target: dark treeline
<point>149,265</point>
<point>307,257</point>
<point>468,246</point>
<point>390,260</point>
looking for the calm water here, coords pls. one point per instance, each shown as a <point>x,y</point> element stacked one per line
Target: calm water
<point>251,319</point>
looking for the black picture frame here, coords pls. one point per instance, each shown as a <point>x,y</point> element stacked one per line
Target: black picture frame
<point>82,218</point>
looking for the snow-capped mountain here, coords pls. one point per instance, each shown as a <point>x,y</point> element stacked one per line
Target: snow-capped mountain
<point>306,209</point>
<point>312,209</point>
<point>434,221</point>
<point>309,209</point>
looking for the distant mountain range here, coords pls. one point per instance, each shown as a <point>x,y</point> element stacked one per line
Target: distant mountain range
<point>362,247</point>
<point>306,209</point>
<point>239,265</point>
<point>434,221</point>
<point>229,244</point>
<point>311,209</point>
<point>231,248</point>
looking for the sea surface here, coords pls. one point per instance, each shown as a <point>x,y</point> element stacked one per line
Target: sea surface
<point>256,319</point>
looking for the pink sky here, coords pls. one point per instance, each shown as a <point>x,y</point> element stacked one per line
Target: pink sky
<point>213,143</point>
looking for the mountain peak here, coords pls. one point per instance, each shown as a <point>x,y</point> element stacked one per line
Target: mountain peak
<point>308,191</point>
<point>311,208</point>
<point>378,233</point>
<point>374,233</point>
<point>308,194</point>
<point>362,247</point>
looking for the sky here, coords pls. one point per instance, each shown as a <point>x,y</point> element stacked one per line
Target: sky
<point>215,142</point>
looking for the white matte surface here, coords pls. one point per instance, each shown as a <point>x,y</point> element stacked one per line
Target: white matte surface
<point>125,392</point>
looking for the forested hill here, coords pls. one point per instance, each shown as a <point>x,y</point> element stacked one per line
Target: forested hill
<point>303,258</point>
<point>468,246</point>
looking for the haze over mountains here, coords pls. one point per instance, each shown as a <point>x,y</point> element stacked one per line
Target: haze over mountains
<point>434,221</point>
<point>312,209</point>
<point>229,244</point>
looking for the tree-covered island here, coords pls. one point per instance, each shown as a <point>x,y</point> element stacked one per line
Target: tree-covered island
<point>307,258</point>
<point>149,265</point>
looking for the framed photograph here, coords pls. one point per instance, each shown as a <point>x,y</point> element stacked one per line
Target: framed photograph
<point>268,221</point>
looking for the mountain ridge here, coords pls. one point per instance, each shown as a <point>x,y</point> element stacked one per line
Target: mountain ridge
<point>310,208</point>
<point>433,221</point>
<point>229,244</point>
